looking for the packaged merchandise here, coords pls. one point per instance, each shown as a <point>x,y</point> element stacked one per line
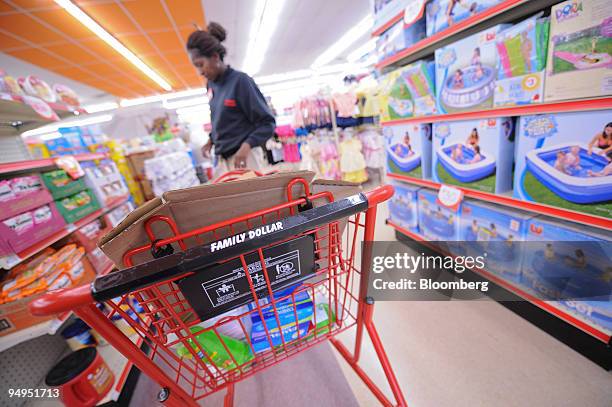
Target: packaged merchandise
<point>564,160</point>
<point>61,185</point>
<point>117,215</point>
<point>408,148</point>
<point>9,84</point>
<point>66,95</point>
<point>215,352</point>
<point>77,206</point>
<point>170,171</point>
<point>442,14</point>
<point>298,306</point>
<point>475,154</point>
<point>568,264</point>
<point>404,33</point>
<point>580,50</point>
<point>437,221</point>
<point>21,194</point>
<point>78,335</point>
<point>385,10</point>
<point>495,230</point>
<point>408,92</point>
<point>105,181</point>
<point>28,228</point>
<point>466,72</point>
<point>522,61</point>
<point>35,86</point>
<point>403,206</point>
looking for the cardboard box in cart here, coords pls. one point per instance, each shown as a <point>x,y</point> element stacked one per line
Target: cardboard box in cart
<point>205,205</point>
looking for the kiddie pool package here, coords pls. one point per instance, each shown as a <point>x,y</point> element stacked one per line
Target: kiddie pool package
<point>408,149</point>
<point>522,61</point>
<point>436,221</point>
<point>404,33</point>
<point>442,14</point>
<point>570,265</point>
<point>403,206</point>
<point>559,161</point>
<point>475,154</point>
<point>496,231</point>
<point>466,72</point>
<point>580,50</point>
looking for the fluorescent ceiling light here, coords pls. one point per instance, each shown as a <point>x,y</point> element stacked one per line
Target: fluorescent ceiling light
<point>265,21</point>
<point>203,100</point>
<point>101,107</point>
<point>200,109</point>
<point>364,26</point>
<point>97,29</point>
<point>162,97</point>
<point>285,76</point>
<point>363,50</point>
<point>81,122</point>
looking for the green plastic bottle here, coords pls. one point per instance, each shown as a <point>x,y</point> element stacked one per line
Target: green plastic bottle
<point>210,342</point>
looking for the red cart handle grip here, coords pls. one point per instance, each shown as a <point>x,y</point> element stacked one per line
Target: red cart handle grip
<point>379,195</point>
<point>59,301</point>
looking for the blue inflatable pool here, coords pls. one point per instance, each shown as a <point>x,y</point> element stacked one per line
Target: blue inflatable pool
<point>498,249</point>
<point>439,225</point>
<point>474,90</point>
<point>574,185</point>
<point>462,170</point>
<point>400,211</point>
<point>403,158</point>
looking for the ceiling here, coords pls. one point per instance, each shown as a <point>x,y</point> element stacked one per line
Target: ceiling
<point>43,34</point>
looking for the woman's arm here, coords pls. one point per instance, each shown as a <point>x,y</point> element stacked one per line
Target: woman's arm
<point>592,143</point>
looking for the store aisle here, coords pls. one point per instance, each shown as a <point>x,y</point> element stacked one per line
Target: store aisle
<point>475,354</point>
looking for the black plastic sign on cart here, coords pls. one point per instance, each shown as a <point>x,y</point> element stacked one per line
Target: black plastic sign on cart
<point>221,288</point>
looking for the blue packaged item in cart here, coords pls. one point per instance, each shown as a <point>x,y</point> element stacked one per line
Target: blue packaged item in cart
<point>570,264</point>
<point>495,230</point>
<point>436,221</point>
<point>403,206</point>
<point>408,149</point>
<point>564,160</point>
<point>288,311</point>
<point>474,154</point>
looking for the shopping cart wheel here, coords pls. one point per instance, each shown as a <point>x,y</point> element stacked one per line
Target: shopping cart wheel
<point>163,394</point>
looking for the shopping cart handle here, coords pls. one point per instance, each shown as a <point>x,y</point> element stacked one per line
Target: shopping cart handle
<point>56,302</point>
<point>379,195</point>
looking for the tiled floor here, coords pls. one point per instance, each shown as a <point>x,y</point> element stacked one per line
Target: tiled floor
<point>478,353</point>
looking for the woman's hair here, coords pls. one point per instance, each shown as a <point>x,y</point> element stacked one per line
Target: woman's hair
<point>604,129</point>
<point>474,132</point>
<point>208,42</point>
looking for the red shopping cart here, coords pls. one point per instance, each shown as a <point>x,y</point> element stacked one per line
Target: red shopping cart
<point>245,264</point>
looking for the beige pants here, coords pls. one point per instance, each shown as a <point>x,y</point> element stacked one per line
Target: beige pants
<point>255,161</point>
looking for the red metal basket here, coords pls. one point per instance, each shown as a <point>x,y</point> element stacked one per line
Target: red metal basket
<point>337,282</point>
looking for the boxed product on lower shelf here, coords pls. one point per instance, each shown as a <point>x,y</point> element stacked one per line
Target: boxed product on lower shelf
<point>403,206</point>
<point>408,149</point>
<point>571,265</point>
<point>437,221</point>
<point>77,206</point>
<point>565,160</point>
<point>495,230</point>
<point>21,194</point>
<point>28,228</point>
<point>61,185</point>
<point>50,270</point>
<point>475,154</point>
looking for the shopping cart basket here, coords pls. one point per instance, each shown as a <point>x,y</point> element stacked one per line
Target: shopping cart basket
<point>309,244</point>
<point>236,174</point>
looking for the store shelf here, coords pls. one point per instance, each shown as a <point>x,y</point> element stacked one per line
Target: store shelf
<point>388,24</point>
<point>538,108</point>
<point>45,163</point>
<point>560,213</point>
<point>506,11</point>
<point>17,117</point>
<point>8,262</point>
<point>548,306</point>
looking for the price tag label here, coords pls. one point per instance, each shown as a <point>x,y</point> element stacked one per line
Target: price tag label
<point>450,197</point>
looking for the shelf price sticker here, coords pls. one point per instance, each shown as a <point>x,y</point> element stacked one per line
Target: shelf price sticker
<point>450,197</point>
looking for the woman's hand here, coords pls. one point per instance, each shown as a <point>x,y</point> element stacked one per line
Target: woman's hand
<point>240,158</point>
<point>206,148</point>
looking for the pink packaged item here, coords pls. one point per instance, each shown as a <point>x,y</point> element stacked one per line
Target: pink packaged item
<point>22,194</point>
<point>28,228</point>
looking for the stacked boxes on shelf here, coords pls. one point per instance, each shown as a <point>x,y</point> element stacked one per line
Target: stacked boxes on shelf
<point>74,200</point>
<point>115,151</point>
<point>106,182</point>
<point>437,221</point>
<point>404,33</point>
<point>29,214</point>
<point>136,165</point>
<point>403,206</point>
<point>442,14</point>
<point>408,149</point>
<point>88,237</point>
<point>170,171</point>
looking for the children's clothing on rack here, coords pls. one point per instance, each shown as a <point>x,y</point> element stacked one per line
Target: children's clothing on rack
<point>352,161</point>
